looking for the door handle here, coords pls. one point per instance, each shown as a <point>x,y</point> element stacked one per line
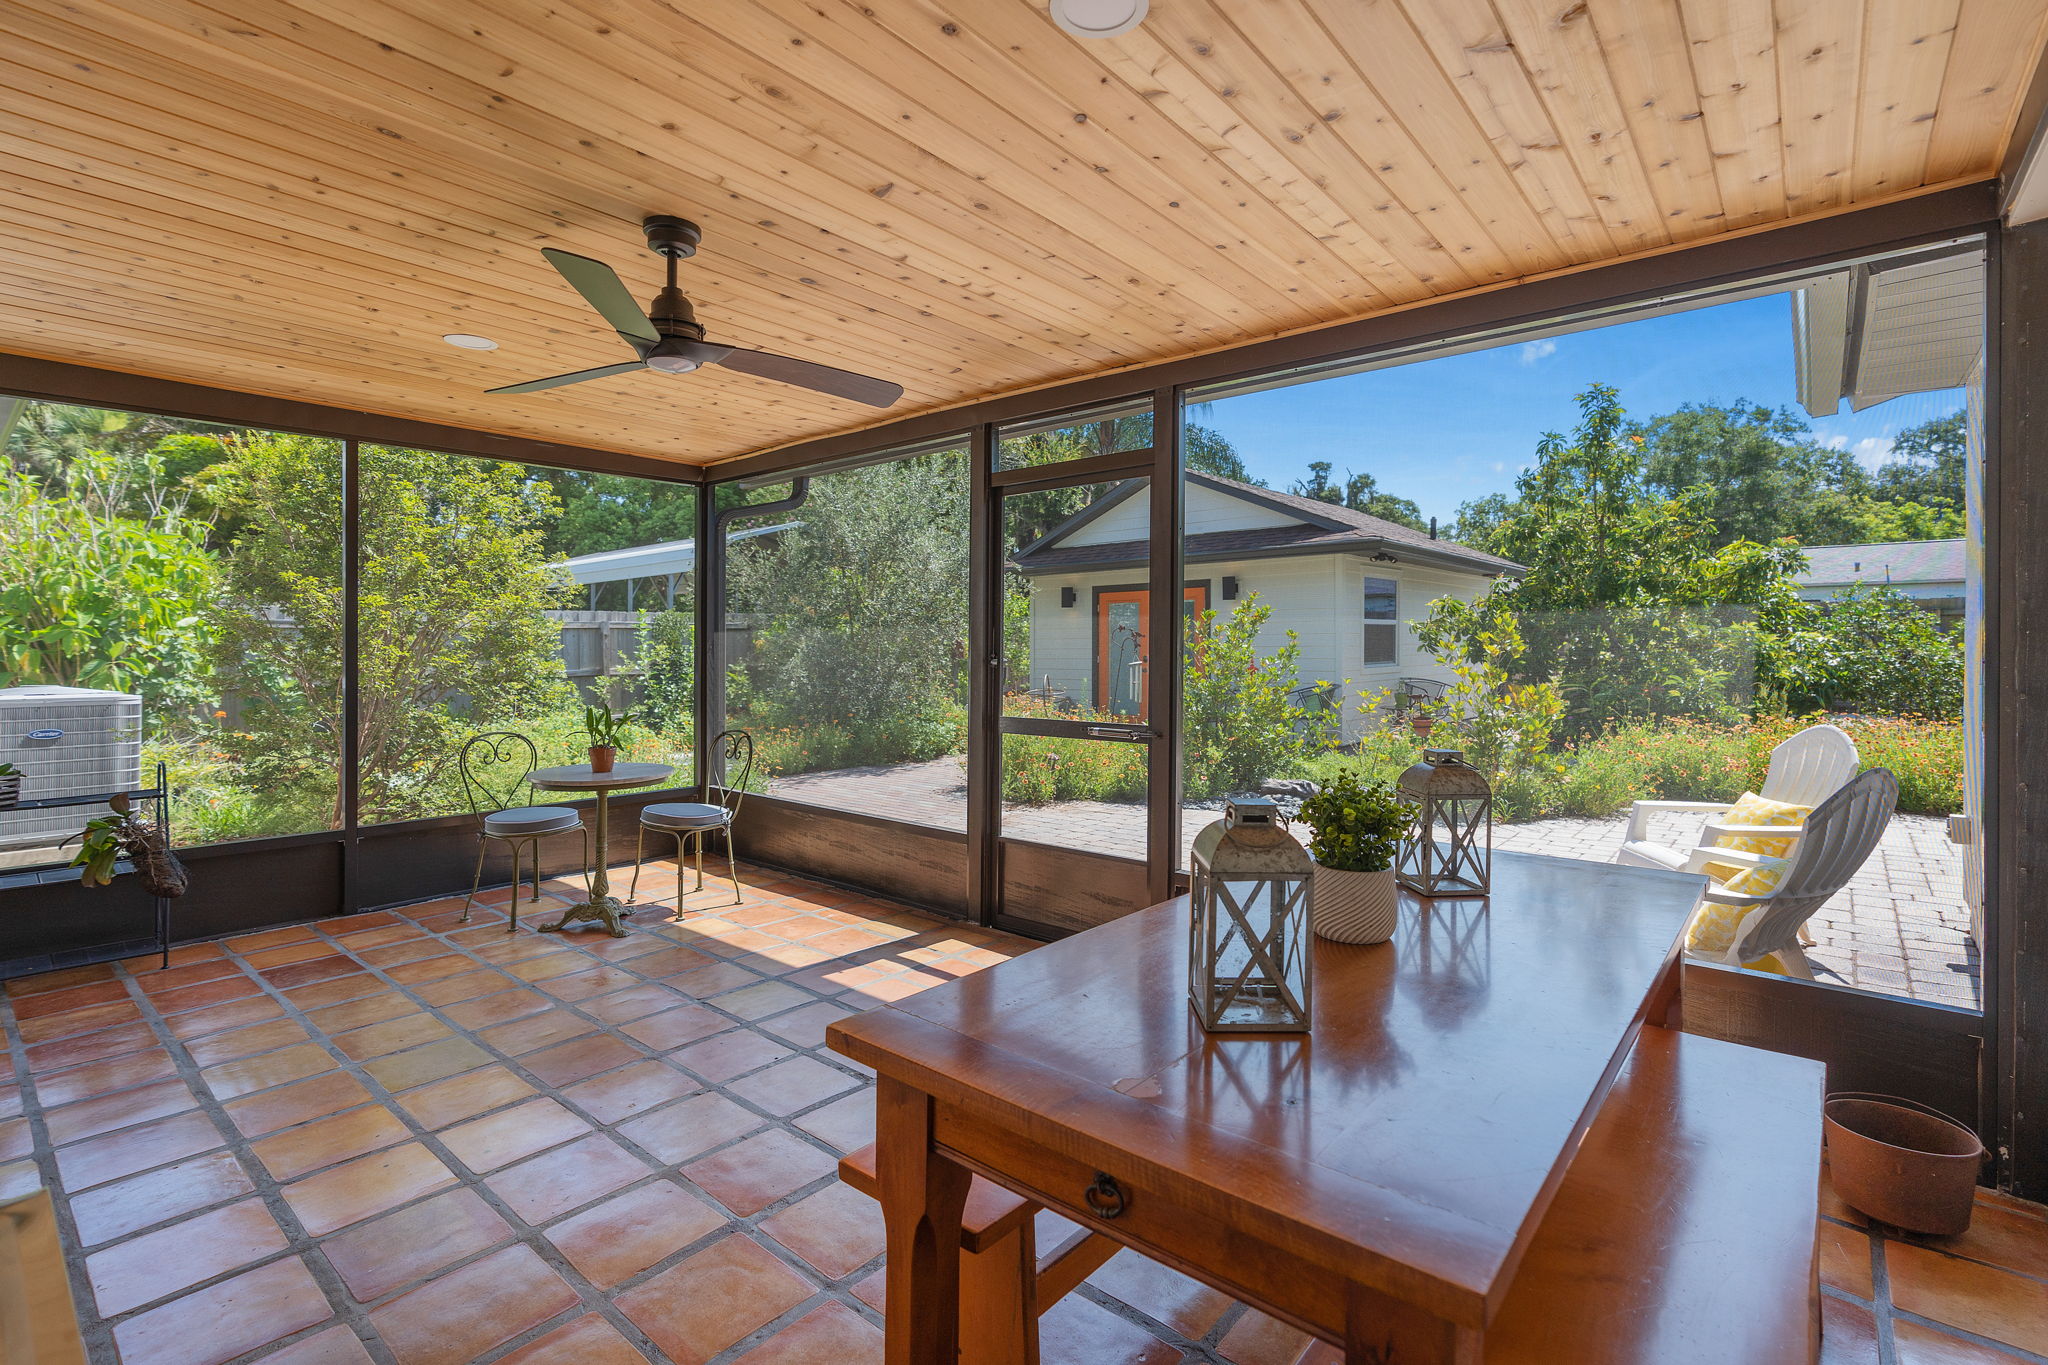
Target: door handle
<point>1128,736</point>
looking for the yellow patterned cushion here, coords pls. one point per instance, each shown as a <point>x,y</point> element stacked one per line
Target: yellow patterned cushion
<point>1713,928</point>
<point>1751,809</point>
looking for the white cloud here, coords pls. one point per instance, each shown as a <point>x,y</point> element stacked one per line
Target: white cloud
<point>1500,467</point>
<point>1873,451</point>
<point>1533,351</point>
<point>1837,442</point>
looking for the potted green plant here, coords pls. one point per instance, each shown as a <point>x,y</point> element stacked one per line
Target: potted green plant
<point>605,728</point>
<point>10,786</point>
<point>107,839</point>
<point>1358,828</point>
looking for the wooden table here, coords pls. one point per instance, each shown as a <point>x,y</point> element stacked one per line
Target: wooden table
<point>1375,1183</point>
<point>579,777</point>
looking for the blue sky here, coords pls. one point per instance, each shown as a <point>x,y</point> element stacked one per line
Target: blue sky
<point>1448,430</point>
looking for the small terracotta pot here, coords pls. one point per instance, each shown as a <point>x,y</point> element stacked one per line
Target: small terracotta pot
<point>1422,725</point>
<point>601,756</point>
<point>1354,907</point>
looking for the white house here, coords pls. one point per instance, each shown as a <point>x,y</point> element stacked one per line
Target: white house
<point>1932,573</point>
<point>1347,584</point>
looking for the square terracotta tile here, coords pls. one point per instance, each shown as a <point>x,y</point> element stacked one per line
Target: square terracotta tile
<point>1978,1298</point>
<point>187,974</point>
<point>553,1183</point>
<point>104,1077</point>
<point>837,1230</point>
<point>91,1047</point>
<point>500,1007</point>
<point>543,966</point>
<point>256,1115</point>
<point>2012,1237</point>
<point>200,995</point>
<point>690,1127</point>
<point>143,1269</point>
<point>1848,1333</point>
<point>536,1031</point>
<point>16,1140</point>
<point>589,1340</point>
<point>830,1334</point>
<point>635,1002</point>
<point>430,968</point>
<point>285,956</point>
<point>213,1019</point>
<point>89,1019</point>
<point>409,956</point>
<point>1845,1259</point>
<point>229,1080</point>
<point>1914,1344</point>
<point>566,1063</point>
<point>247,1041</point>
<point>307,973</point>
<point>365,1187</point>
<point>71,998</point>
<point>591,981</point>
<point>335,1346</point>
<point>805,1027</point>
<point>752,1174</point>
<point>626,1234</point>
<point>456,1317</point>
<point>763,999</point>
<point>706,1302</point>
<point>463,986</point>
<point>846,1124</point>
<point>334,1020</point>
<point>271,938</point>
<point>391,1252</point>
<point>1187,1306</point>
<point>677,1027</point>
<point>140,1201</point>
<point>509,1135</point>
<point>377,938</point>
<point>228,1319</point>
<point>333,992</point>
<point>90,1118</point>
<point>393,1035</point>
<point>422,1065</point>
<point>43,982</point>
<point>464,1096</point>
<point>323,1142</point>
<point>712,978</point>
<point>730,1054</point>
<point>668,961</point>
<point>86,1164</point>
<point>630,1090</point>
<point>798,1083</point>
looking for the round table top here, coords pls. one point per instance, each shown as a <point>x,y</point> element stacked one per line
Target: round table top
<point>579,777</point>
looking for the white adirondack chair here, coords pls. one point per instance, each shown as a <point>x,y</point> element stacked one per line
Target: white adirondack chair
<point>1805,770</point>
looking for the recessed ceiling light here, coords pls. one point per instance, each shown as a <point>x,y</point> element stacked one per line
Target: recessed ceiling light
<point>1098,18</point>
<point>470,342</point>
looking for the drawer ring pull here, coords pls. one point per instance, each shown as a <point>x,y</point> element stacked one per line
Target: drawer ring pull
<point>1105,1197</point>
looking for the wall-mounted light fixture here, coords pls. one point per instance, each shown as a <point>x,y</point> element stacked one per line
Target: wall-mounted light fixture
<point>1230,589</point>
<point>1098,18</point>
<point>1067,597</point>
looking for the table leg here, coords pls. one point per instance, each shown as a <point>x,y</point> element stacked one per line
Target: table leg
<point>1379,1329</point>
<point>923,1194</point>
<point>602,905</point>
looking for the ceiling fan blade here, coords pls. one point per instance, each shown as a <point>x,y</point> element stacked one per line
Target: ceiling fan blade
<point>784,369</point>
<point>602,289</point>
<point>574,377</point>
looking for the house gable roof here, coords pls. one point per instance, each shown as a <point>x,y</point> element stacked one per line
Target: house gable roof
<point>1897,562</point>
<point>1315,528</point>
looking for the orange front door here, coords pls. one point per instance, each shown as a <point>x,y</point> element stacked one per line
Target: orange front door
<point>1121,654</point>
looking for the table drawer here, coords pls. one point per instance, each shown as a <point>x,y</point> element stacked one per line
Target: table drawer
<point>1199,1243</point>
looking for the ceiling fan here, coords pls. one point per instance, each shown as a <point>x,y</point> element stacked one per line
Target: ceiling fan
<point>668,337</point>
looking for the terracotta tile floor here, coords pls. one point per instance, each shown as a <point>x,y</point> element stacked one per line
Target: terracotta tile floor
<point>396,1138</point>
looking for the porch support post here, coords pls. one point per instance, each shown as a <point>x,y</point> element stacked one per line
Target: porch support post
<point>2016,787</point>
<point>1163,634</point>
<point>984,674</point>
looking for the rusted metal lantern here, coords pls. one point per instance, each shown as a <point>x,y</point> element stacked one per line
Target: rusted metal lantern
<point>1249,937</point>
<point>1449,848</point>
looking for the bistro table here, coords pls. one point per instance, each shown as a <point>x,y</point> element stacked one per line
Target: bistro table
<point>581,777</point>
<point>1374,1182</point>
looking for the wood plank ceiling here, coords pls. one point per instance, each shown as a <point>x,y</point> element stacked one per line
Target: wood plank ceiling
<point>298,197</point>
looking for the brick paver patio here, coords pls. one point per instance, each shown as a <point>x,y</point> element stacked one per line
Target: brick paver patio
<point>1900,927</point>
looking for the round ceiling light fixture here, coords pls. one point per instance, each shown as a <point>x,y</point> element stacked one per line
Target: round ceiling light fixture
<point>469,341</point>
<point>1098,18</point>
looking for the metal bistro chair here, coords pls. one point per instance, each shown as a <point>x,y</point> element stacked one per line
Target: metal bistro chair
<point>1413,693</point>
<point>690,821</point>
<point>1838,839</point>
<point>495,768</point>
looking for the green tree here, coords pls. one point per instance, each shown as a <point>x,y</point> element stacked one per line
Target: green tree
<point>1873,651</point>
<point>1926,463</point>
<point>1360,493</point>
<point>451,604</point>
<point>90,597</point>
<point>1758,468</point>
<point>860,614</point>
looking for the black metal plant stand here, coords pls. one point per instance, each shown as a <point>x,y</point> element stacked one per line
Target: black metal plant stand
<point>159,796</point>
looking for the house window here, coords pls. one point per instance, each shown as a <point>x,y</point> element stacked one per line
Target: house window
<point>1382,620</point>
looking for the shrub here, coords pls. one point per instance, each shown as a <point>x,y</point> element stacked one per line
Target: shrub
<point>1239,723</point>
<point>1358,825</point>
<point>1872,650</point>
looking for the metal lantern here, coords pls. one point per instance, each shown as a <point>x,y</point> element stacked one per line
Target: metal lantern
<point>1249,939</point>
<point>1449,848</point>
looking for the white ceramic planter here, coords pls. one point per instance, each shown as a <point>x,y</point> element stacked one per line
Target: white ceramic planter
<point>1354,907</point>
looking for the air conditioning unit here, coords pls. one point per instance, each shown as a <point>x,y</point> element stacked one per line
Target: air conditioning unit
<point>67,741</point>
